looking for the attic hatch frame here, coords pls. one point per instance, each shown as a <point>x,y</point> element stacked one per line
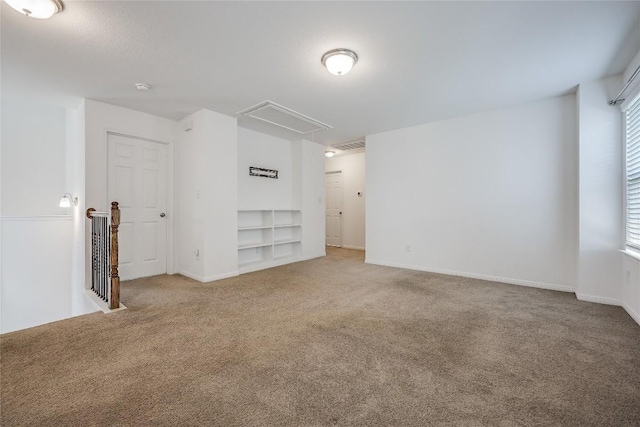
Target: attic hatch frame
<point>350,145</point>
<point>270,105</point>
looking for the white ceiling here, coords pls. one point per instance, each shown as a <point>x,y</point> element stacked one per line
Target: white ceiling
<point>419,61</point>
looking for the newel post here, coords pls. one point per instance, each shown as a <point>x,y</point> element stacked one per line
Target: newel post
<point>114,300</point>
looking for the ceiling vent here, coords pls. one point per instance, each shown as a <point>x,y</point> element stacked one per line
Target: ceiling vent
<point>351,145</point>
<point>284,117</point>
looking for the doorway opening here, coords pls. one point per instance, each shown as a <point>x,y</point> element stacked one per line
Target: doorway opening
<point>333,207</point>
<point>345,200</point>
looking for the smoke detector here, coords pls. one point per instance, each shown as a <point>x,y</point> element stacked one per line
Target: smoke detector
<point>143,87</point>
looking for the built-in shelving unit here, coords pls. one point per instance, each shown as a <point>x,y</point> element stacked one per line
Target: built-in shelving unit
<point>267,238</point>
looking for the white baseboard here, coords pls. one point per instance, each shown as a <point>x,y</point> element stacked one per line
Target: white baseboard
<point>635,316</point>
<point>519,282</point>
<point>221,276</point>
<point>358,248</point>
<point>191,275</point>
<point>600,300</point>
<point>308,257</point>
<point>580,296</point>
<point>100,304</point>
<point>610,301</point>
<point>250,268</point>
<point>205,279</point>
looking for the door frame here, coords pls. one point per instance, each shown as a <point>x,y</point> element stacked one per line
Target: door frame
<point>170,255</point>
<point>341,203</point>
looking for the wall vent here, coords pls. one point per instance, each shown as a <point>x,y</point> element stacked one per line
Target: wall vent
<point>350,145</point>
<point>284,117</point>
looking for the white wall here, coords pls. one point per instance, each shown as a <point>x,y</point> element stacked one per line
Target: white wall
<point>352,167</point>
<point>75,149</point>
<point>37,235</point>
<point>493,195</point>
<point>308,165</point>
<point>220,190</point>
<point>101,118</point>
<point>33,158</point>
<point>189,203</point>
<point>600,192</point>
<point>630,292</point>
<point>36,271</point>
<point>207,187</point>
<point>269,152</point>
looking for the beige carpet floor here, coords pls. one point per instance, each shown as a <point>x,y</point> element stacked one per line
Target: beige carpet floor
<point>330,341</point>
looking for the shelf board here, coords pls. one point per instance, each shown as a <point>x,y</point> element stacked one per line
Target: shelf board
<point>287,225</point>
<point>287,257</point>
<point>282,242</point>
<point>248,267</point>
<point>255,227</point>
<point>253,245</point>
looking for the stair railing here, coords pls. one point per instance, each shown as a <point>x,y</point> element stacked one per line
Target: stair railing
<point>105,282</point>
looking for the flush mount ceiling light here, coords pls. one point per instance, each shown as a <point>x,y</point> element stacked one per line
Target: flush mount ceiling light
<point>339,61</point>
<point>329,153</point>
<point>39,9</point>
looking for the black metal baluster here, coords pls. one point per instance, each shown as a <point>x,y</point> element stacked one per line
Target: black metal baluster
<point>100,256</point>
<point>102,259</point>
<point>107,257</point>
<point>93,255</point>
<point>98,248</point>
<point>98,290</point>
<point>97,262</point>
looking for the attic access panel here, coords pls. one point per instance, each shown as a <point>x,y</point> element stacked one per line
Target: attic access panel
<point>278,115</point>
<point>351,145</point>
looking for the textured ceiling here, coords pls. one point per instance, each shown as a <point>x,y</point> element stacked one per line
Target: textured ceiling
<point>419,61</point>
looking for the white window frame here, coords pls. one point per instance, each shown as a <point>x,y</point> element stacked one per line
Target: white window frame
<point>631,99</point>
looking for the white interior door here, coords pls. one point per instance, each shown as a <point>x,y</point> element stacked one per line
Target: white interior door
<point>137,174</point>
<point>333,199</point>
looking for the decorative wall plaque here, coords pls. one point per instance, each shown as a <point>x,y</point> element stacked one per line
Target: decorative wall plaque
<point>266,173</point>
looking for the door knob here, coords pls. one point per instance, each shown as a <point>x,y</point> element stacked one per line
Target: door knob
<point>162,215</point>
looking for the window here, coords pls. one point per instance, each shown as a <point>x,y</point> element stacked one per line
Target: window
<point>632,137</point>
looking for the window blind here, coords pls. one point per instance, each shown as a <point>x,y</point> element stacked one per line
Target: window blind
<point>632,135</point>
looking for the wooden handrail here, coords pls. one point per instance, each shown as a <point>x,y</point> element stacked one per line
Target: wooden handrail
<point>114,300</point>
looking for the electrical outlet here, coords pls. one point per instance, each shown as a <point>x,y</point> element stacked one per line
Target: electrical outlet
<point>407,248</point>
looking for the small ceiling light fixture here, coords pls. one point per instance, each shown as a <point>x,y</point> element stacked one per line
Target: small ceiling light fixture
<point>339,61</point>
<point>39,9</point>
<point>329,153</point>
<point>143,87</point>
<point>66,200</point>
